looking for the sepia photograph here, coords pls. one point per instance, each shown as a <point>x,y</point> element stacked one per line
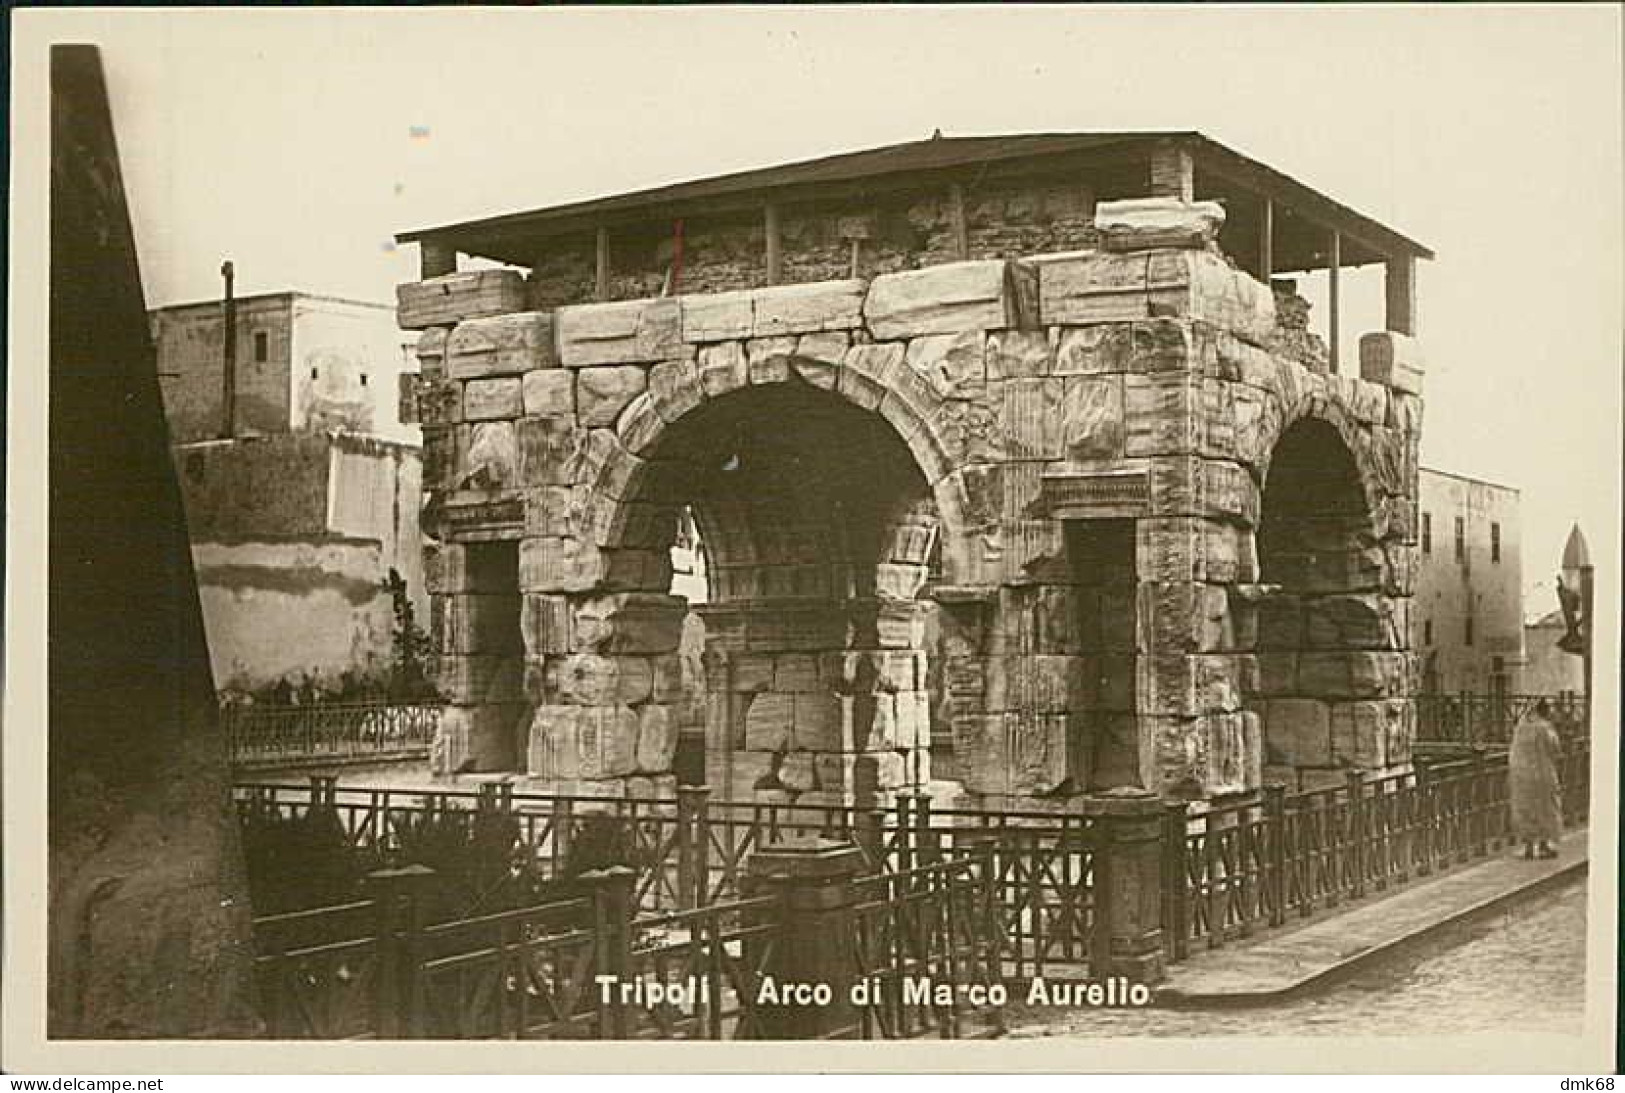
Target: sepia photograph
<point>805,539</point>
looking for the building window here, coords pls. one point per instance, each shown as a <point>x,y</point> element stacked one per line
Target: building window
<point>313,373</point>
<point>363,379</point>
<point>1427,631</point>
<point>1495,542</point>
<point>1468,636</point>
<point>1427,533</point>
<point>1461,540</point>
<point>262,347</point>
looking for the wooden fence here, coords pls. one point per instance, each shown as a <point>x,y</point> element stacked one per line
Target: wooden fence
<point>591,968</point>
<point>1237,869</point>
<point>691,851</point>
<point>969,890</point>
<point>928,944</point>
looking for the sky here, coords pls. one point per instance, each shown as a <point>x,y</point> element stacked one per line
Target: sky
<point>297,143</point>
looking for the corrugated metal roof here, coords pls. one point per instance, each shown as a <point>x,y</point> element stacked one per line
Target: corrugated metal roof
<point>936,154</point>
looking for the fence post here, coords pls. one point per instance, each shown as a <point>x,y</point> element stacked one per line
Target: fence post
<point>1580,785</point>
<point>814,884</point>
<point>323,790</point>
<point>693,838</point>
<point>1422,819</point>
<point>926,849</point>
<point>611,935</point>
<point>905,832</point>
<point>397,896</point>
<point>1461,818</point>
<point>1249,877</point>
<point>988,906</point>
<point>1275,824</point>
<point>1355,779</point>
<point>1174,878</point>
<point>1480,803</point>
<point>871,837</point>
<point>563,835</point>
<point>1128,938</point>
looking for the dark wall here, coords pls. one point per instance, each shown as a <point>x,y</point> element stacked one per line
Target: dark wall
<point>148,915</point>
<point>270,487</point>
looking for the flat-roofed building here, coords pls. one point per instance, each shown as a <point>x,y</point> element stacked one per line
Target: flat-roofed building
<point>1467,618</point>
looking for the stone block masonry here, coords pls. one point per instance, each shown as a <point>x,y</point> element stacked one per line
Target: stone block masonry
<point>1148,550</point>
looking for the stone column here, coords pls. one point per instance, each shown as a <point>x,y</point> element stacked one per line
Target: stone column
<point>813,881</point>
<point>1128,937</point>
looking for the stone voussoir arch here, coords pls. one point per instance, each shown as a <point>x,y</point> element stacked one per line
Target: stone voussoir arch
<point>874,378</point>
<point>1379,469</point>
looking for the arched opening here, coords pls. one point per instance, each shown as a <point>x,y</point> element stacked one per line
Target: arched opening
<point>814,530</point>
<point>1324,622</point>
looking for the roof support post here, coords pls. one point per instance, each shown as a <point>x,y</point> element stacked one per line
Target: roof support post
<point>435,259</point>
<point>600,284</point>
<point>1400,287</point>
<point>1334,263</point>
<point>1266,239</point>
<point>1173,172</point>
<point>775,259</point>
<point>956,214</point>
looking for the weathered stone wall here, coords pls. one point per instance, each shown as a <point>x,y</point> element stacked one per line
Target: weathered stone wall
<point>191,361</point>
<point>1293,339</point>
<point>295,612</point>
<point>1333,667</point>
<point>900,234</point>
<point>272,487</point>
<point>293,537</point>
<point>1127,393</point>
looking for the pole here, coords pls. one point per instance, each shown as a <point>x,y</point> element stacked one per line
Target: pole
<point>228,371</point>
<point>775,261</point>
<point>1588,633</point>
<point>1334,329</point>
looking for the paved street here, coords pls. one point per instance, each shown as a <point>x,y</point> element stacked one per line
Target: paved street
<point>1522,968</point>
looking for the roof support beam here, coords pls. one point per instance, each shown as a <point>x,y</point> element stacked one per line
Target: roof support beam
<point>775,258</point>
<point>1309,205</point>
<point>1399,284</point>
<point>1334,262</point>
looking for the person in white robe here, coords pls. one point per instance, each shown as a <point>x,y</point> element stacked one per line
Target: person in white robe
<point>1537,797</point>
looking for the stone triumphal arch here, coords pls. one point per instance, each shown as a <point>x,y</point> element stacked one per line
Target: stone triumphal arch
<point>1013,465</point>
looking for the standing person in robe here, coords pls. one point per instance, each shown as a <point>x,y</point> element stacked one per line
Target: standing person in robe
<point>1537,803</point>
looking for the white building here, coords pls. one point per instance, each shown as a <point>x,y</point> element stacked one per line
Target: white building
<point>1467,617</point>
